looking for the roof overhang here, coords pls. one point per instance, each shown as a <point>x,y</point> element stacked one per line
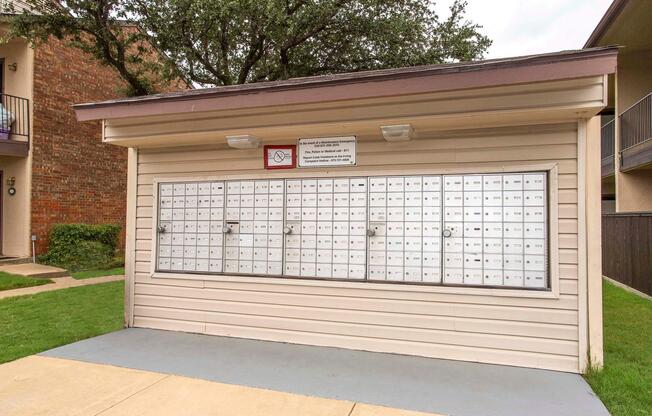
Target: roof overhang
<point>362,85</point>
<point>605,23</point>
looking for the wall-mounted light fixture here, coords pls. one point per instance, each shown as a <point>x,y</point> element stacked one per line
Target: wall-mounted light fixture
<point>397,133</point>
<point>10,184</point>
<point>244,141</point>
<point>13,67</point>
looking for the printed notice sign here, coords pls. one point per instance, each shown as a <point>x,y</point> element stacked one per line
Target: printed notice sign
<point>330,151</point>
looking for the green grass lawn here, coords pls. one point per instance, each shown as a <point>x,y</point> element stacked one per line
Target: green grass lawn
<point>34,323</point>
<point>625,383</point>
<point>12,281</point>
<point>98,273</point>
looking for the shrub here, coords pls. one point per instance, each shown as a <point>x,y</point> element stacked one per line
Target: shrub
<point>82,246</point>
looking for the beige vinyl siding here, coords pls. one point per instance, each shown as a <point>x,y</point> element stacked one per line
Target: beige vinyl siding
<point>477,325</point>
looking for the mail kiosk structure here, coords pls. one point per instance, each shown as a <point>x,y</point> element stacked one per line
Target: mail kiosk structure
<point>475,237</point>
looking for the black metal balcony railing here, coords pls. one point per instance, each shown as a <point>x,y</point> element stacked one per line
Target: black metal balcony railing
<point>636,134</point>
<point>636,123</point>
<point>607,147</point>
<point>14,117</point>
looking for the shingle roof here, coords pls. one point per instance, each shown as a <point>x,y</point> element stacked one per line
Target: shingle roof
<point>374,75</point>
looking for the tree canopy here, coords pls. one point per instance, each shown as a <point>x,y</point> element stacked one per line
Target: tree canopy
<point>224,42</point>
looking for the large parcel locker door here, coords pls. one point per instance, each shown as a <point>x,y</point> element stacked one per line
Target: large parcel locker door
<point>190,220</point>
<point>254,227</point>
<point>405,228</point>
<point>325,225</point>
<point>495,230</point>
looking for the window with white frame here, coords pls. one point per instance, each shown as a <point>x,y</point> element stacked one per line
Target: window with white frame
<point>488,230</point>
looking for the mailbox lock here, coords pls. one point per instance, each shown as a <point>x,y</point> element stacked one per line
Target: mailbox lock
<point>226,229</point>
<point>287,230</point>
<point>371,232</point>
<point>447,233</point>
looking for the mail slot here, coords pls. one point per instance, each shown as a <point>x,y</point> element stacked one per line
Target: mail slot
<point>378,184</point>
<point>492,183</point>
<point>473,183</point>
<point>453,199</point>
<point>166,189</point>
<point>512,182</point>
<point>308,270</point>
<point>472,229</point>
<point>472,277</point>
<point>453,276</point>
<point>493,278</point>
<point>431,183</point>
<point>472,199</point>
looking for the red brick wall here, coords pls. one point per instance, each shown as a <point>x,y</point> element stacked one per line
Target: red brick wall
<point>75,177</point>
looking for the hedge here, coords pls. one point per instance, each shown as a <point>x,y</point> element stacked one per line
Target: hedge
<point>82,246</point>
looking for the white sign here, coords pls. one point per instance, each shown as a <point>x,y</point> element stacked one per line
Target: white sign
<point>331,151</point>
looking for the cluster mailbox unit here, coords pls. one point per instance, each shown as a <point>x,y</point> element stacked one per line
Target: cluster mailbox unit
<point>474,237</point>
<point>479,230</point>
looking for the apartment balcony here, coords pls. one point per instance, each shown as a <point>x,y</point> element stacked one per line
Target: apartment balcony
<point>14,126</point>
<point>636,135</point>
<point>607,147</point>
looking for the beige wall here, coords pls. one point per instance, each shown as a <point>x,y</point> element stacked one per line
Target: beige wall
<point>15,215</point>
<point>631,30</point>
<point>634,191</point>
<point>634,78</point>
<point>634,81</point>
<point>15,209</point>
<point>467,324</point>
<point>19,82</point>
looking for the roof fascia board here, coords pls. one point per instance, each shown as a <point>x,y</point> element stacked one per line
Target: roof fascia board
<point>605,23</point>
<point>409,83</point>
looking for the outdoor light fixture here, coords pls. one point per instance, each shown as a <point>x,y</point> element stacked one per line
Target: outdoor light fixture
<point>13,67</point>
<point>397,133</point>
<point>11,182</point>
<point>244,141</point>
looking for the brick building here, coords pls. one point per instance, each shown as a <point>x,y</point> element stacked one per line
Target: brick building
<point>52,168</point>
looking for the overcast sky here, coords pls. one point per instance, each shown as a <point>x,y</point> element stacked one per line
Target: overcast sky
<point>522,27</point>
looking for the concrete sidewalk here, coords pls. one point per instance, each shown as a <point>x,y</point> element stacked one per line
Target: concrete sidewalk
<point>58,283</point>
<point>38,385</point>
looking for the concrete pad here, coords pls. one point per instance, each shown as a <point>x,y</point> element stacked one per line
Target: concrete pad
<point>34,270</point>
<point>369,410</point>
<point>36,385</point>
<point>186,396</point>
<point>397,381</point>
